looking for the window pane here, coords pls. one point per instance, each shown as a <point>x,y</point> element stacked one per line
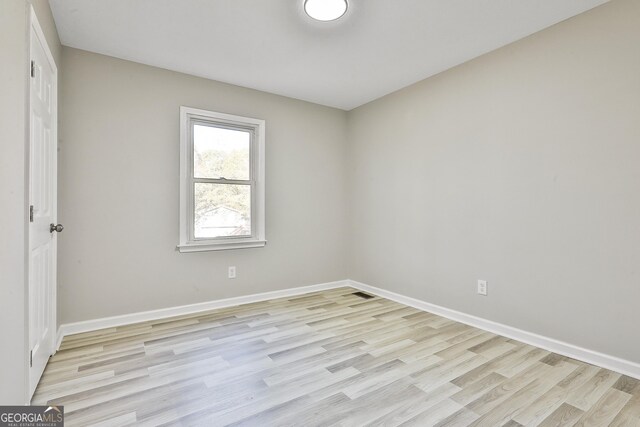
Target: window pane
<point>222,210</point>
<point>220,153</point>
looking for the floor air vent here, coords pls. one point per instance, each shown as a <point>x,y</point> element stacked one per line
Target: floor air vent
<point>363,295</point>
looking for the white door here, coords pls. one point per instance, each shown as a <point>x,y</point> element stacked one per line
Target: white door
<point>42,200</point>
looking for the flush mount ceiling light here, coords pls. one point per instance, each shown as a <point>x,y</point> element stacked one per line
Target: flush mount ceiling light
<point>325,10</point>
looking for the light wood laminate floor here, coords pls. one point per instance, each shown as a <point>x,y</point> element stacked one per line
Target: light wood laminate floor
<point>327,358</point>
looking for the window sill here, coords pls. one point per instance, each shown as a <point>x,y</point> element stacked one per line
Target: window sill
<point>221,246</point>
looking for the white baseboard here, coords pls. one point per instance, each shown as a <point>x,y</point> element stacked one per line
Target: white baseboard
<point>59,337</point>
<point>613,363</point>
<point>163,313</point>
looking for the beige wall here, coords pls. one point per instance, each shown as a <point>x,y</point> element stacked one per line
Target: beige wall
<point>13,194</point>
<point>118,200</point>
<point>521,167</point>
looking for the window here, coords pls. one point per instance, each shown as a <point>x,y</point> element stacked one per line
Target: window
<point>222,181</point>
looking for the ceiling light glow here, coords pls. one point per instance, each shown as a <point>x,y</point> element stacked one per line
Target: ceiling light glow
<point>325,10</point>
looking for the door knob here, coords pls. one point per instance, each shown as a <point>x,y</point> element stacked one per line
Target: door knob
<point>54,227</point>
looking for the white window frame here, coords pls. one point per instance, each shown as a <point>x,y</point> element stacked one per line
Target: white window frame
<point>256,127</point>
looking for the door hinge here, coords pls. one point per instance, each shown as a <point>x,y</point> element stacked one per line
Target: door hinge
<point>31,213</point>
<point>31,359</point>
<point>33,69</point>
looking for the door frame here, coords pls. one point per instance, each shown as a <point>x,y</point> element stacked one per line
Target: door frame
<point>35,30</point>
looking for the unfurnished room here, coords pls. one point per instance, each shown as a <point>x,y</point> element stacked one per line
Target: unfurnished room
<point>320,213</point>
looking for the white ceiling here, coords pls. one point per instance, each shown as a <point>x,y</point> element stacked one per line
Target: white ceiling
<point>379,46</point>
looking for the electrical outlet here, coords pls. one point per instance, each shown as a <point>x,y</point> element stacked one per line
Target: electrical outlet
<point>483,287</point>
<point>232,272</point>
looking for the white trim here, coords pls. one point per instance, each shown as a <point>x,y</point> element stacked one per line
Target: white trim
<point>35,24</point>
<point>613,363</point>
<point>187,242</point>
<point>59,337</point>
<point>163,313</point>
<point>203,247</point>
